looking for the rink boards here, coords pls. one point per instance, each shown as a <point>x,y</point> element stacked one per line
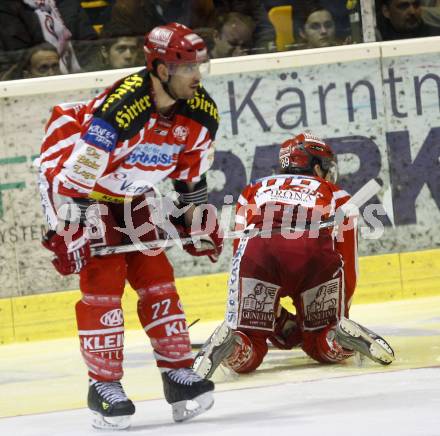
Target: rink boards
<point>383,278</point>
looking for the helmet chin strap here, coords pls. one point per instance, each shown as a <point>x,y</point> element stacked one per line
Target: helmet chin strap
<point>166,87</point>
<point>165,84</point>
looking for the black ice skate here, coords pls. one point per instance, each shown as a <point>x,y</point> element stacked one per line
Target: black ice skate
<point>110,406</point>
<point>219,346</point>
<point>183,385</point>
<point>355,337</point>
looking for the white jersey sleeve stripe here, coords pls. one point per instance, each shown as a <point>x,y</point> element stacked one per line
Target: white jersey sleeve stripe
<point>48,208</point>
<point>59,122</point>
<point>200,139</point>
<point>340,194</point>
<point>242,200</point>
<point>206,157</point>
<point>64,143</point>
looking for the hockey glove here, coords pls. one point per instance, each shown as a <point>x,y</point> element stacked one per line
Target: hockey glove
<point>286,333</point>
<point>72,254</point>
<point>210,244</point>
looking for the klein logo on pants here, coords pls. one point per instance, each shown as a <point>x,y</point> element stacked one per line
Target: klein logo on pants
<point>176,328</point>
<point>113,318</point>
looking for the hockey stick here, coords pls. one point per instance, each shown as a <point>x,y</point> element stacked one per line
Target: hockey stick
<point>194,322</point>
<point>358,199</point>
<point>198,346</point>
<point>163,243</point>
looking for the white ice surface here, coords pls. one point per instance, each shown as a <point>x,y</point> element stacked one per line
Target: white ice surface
<point>289,395</point>
<point>401,403</point>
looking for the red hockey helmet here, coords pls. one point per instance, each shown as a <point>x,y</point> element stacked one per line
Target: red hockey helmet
<point>174,44</point>
<point>300,154</point>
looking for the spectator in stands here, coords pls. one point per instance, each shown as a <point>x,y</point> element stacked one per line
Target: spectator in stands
<point>97,12</point>
<point>401,19</point>
<point>209,36</point>
<point>83,35</point>
<point>76,20</point>
<point>26,23</point>
<point>140,16</point>
<point>341,16</point>
<point>337,8</point>
<point>431,12</point>
<point>317,29</point>
<point>233,36</point>
<point>39,61</point>
<point>264,34</point>
<point>121,52</point>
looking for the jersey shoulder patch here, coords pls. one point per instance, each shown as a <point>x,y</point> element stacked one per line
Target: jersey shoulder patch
<point>203,109</point>
<point>127,103</point>
<point>102,135</point>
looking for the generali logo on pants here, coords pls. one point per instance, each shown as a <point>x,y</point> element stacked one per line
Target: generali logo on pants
<point>112,318</point>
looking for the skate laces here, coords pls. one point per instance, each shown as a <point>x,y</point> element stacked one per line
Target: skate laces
<point>113,392</point>
<point>184,376</point>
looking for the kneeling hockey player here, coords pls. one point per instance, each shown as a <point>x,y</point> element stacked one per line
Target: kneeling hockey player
<point>315,266</point>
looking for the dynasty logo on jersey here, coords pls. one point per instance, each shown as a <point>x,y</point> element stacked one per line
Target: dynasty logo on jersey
<point>152,154</point>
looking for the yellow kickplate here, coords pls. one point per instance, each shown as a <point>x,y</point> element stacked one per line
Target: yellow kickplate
<point>45,316</point>
<point>420,273</point>
<point>379,279</point>
<point>382,278</point>
<point>6,321</point>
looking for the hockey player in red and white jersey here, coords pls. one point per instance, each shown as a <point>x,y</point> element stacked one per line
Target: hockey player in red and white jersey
<point>304,257</point>
<point>98,165</point>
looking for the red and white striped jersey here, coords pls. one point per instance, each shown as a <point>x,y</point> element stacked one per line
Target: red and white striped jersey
<point>288,200</point>
<point>117,146</point>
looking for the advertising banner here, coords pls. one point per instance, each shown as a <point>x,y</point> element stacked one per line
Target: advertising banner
<point>382,116</point>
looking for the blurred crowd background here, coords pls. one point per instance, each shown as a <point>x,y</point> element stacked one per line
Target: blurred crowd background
<point>49,37</point>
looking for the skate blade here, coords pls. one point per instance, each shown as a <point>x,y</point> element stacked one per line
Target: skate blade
<point>110,422</point>
<point>375,349</point>
<point>182,410</point>
<point>203,363</point>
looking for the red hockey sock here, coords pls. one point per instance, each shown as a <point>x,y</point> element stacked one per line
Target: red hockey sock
<point>161,315</point>
<point>101,333</point>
